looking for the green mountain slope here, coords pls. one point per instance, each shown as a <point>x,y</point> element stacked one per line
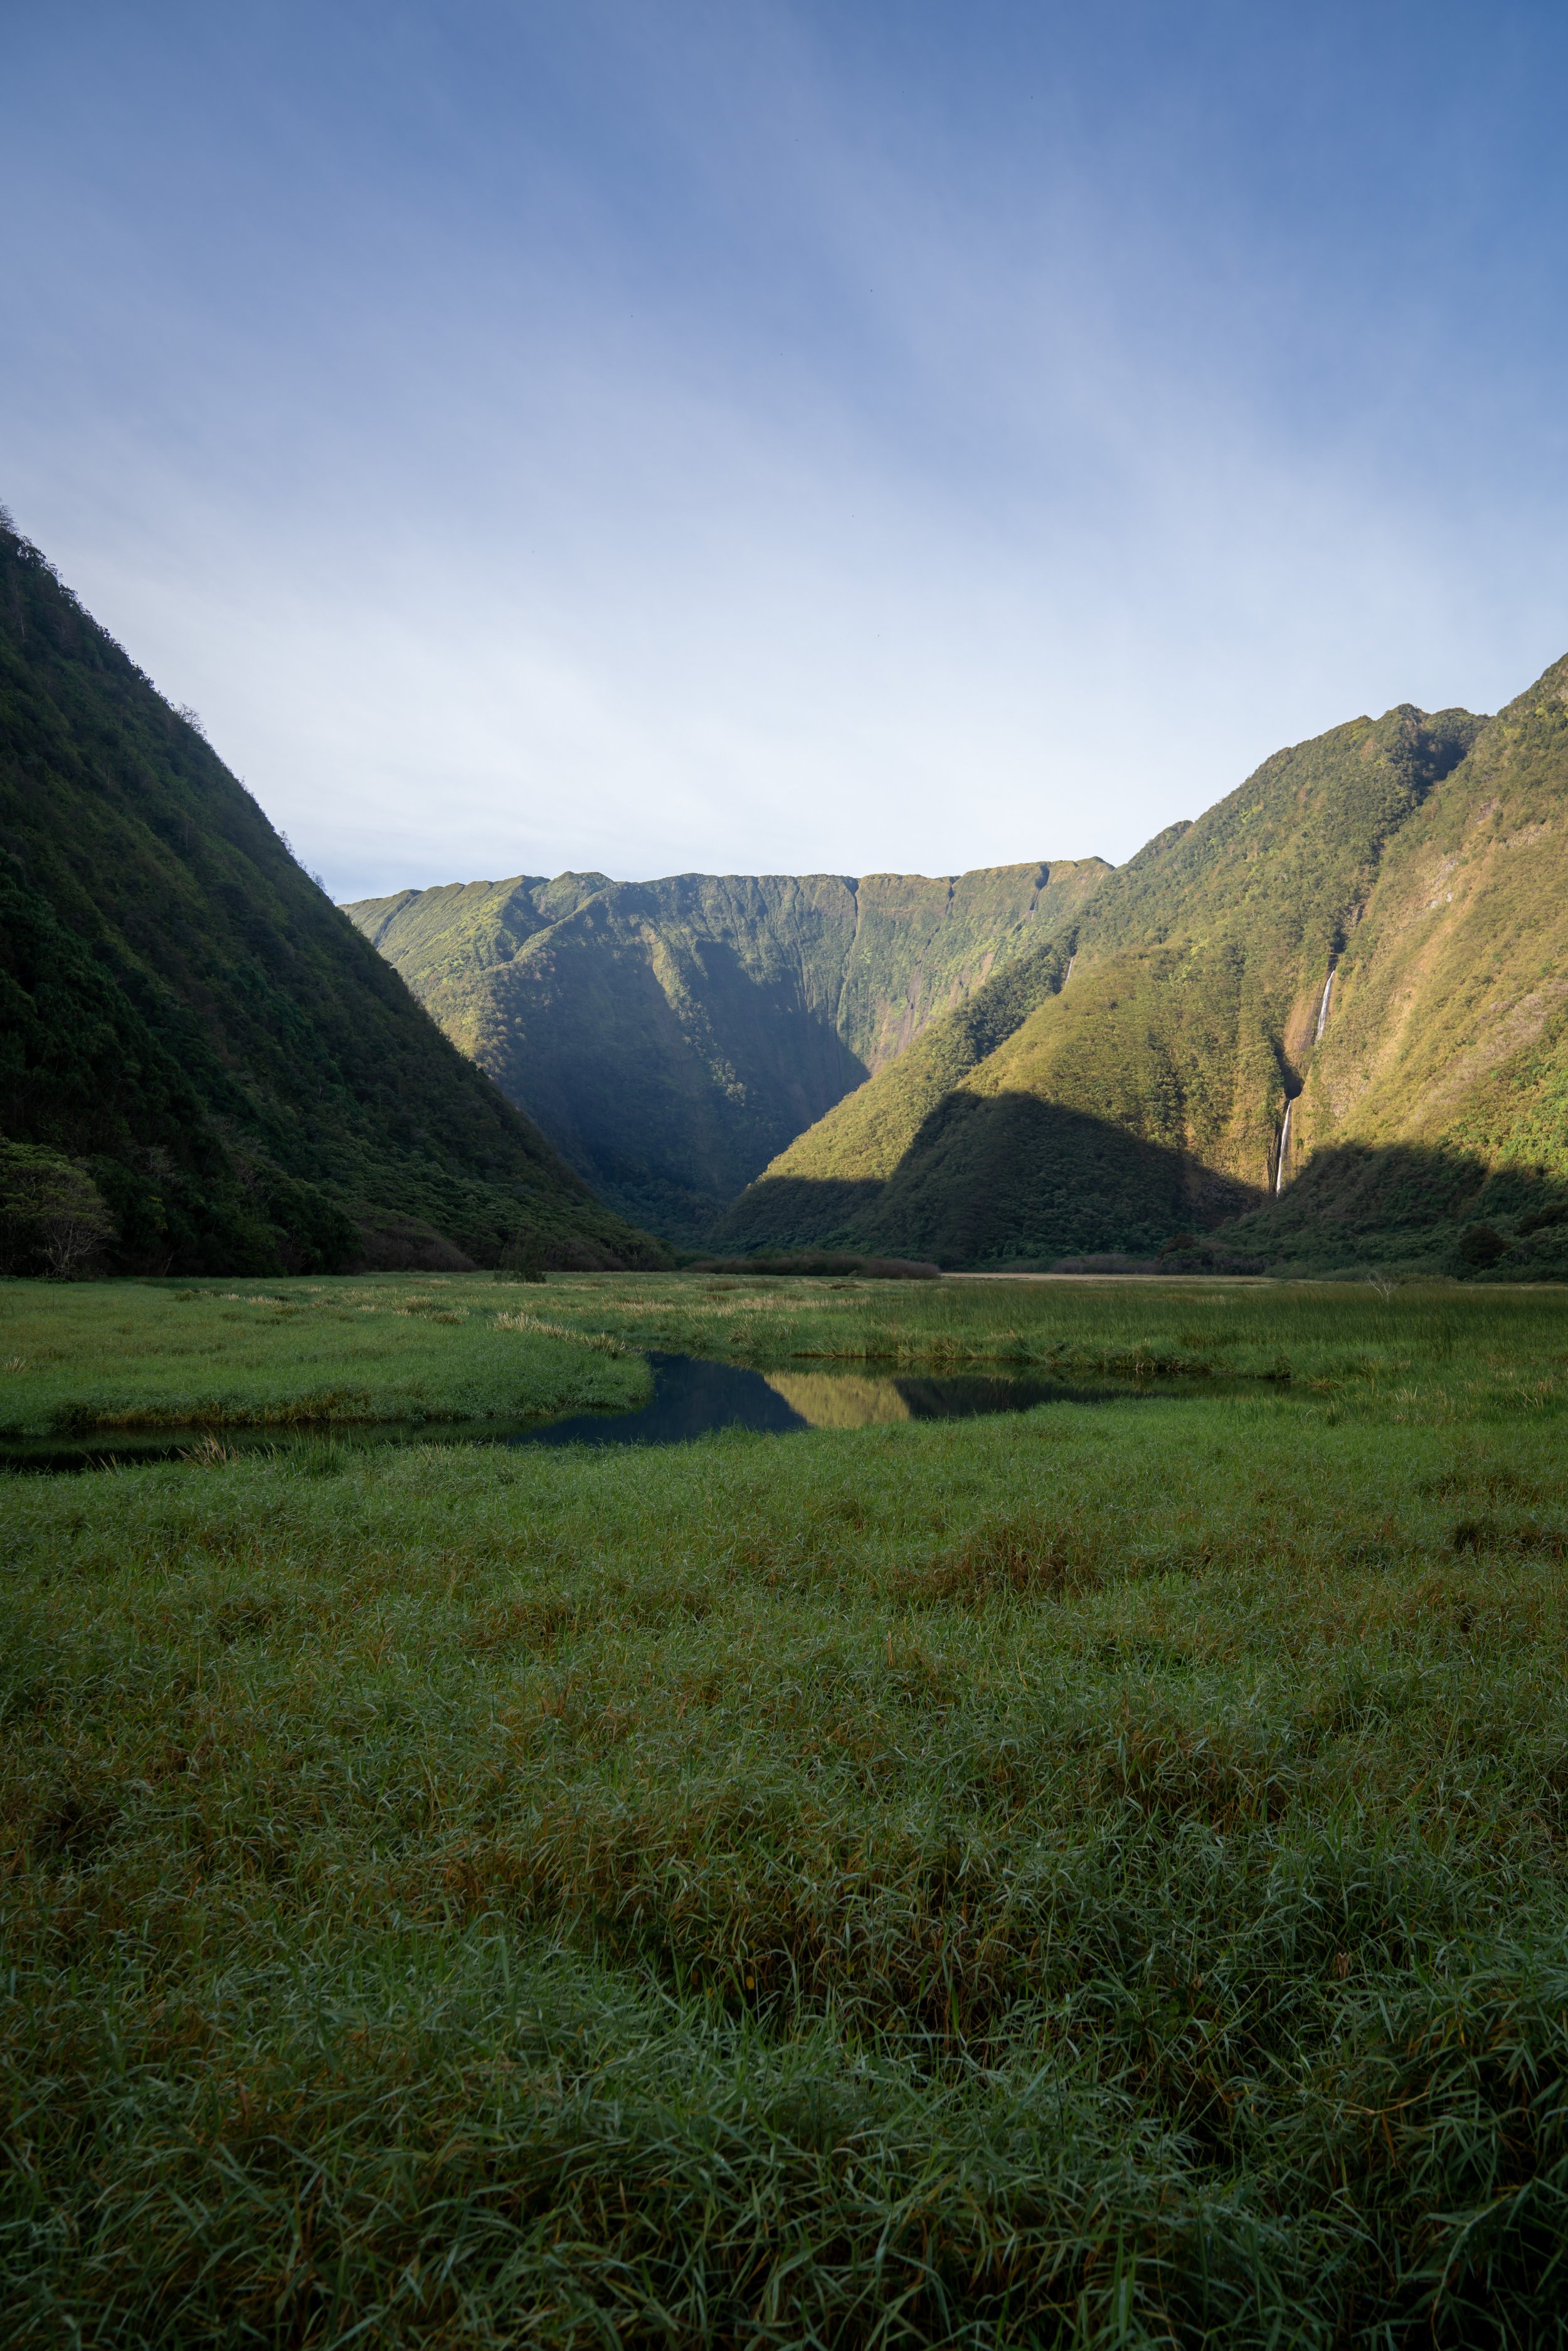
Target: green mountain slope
<point>1144,1094</point>
<point>670,1037</point>
<point>252,1088</point>
<point>1438,1094</point>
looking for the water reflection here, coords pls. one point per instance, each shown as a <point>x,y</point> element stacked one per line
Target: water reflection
<point>838,1399</point>
<point>693,1396</point>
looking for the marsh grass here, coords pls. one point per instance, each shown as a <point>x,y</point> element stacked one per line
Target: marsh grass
<point>134,1356</point>
<point>1146,1330</point>
<point>1094,1875</point>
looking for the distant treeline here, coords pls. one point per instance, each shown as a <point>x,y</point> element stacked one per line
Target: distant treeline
<point>820,1261</point>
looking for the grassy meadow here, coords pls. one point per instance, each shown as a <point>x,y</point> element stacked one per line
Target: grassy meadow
<point>1091,1875</point>
<point>131,1358</point>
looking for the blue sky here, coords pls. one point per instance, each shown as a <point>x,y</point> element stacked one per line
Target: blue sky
<point>771,437</point>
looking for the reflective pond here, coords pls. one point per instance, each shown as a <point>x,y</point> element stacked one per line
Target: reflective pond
<point>693,1396</point>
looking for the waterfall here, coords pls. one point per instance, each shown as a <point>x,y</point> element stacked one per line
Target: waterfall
<point>1284,1147</point>
<point>1072,959</point>
<point>1324,1000</point>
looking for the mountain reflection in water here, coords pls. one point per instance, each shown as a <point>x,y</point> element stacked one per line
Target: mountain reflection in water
<point>693,1396</point>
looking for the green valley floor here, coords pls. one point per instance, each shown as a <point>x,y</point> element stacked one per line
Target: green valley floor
<point>1088,1876</point>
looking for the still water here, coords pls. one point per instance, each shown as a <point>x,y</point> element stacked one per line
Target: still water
<point>692,1397</point>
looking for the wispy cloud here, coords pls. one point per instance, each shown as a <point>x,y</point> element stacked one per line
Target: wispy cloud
<point>656,438</point>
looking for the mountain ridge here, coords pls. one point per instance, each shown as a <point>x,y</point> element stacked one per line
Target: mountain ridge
<point>1197,972</point>
<point>186,1015</point>
<point>670,1035</point>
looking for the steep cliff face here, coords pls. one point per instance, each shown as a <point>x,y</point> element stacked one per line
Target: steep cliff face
<point>1450,992</point>
<point>670,1037</point>
<point>1130,1081</point>
<point>1437,1091</point>
<point>181,1007</point>
<point>1330,1018</point>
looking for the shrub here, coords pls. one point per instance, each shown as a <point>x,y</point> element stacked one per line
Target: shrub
<point>523,1258</point>
<point>1197,1253</point>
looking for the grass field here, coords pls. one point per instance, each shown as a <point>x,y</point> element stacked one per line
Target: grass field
<point>133,1358</point>
<point>1094,1875</point>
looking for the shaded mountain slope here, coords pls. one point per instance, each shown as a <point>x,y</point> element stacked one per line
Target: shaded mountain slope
<point>181,1007</point>
<point>1164,1034</point>
<point>671,1035</point>
<point>862,1141</point>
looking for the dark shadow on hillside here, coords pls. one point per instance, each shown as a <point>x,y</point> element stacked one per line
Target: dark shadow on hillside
<point>1008,1179</point>
<point>796,1212</point>
<point>668,1088</point>
<point>1423,1205</point>
<point>999,1178</point>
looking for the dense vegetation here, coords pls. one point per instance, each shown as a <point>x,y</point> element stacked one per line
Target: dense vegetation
<point>670,1037</point>
<point>1326,1022</point>
<point>818,1261</point>
<point>188,1023</point>
<point>1341,986</point>
<point>1448,1047</point>
<point>1419,861</point>
<point>1092,1876</point>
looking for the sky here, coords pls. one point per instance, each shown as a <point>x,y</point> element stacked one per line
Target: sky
<point>785,435</point>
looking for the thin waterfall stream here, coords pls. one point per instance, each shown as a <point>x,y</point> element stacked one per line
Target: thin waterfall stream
<point>1284,1148</point>
<point>1323,1002</point>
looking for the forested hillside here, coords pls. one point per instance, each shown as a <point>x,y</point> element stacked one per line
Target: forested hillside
<point>1130,1084</point>
<point>1434,1112</point>
<point>196,1049</point>
<point>670,1037</point>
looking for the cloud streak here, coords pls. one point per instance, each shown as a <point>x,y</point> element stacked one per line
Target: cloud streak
<point>652,439</point>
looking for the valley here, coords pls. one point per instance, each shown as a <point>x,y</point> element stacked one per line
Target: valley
<point>1325,1026</point>
<point>552,1790</point>
<point>784,1447</point>
<point>671,1037</point>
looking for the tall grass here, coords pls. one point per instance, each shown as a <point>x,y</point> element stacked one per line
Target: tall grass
<point>137,1357</point>
<point>1305,1330</point>
<point>1092,1876</point>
